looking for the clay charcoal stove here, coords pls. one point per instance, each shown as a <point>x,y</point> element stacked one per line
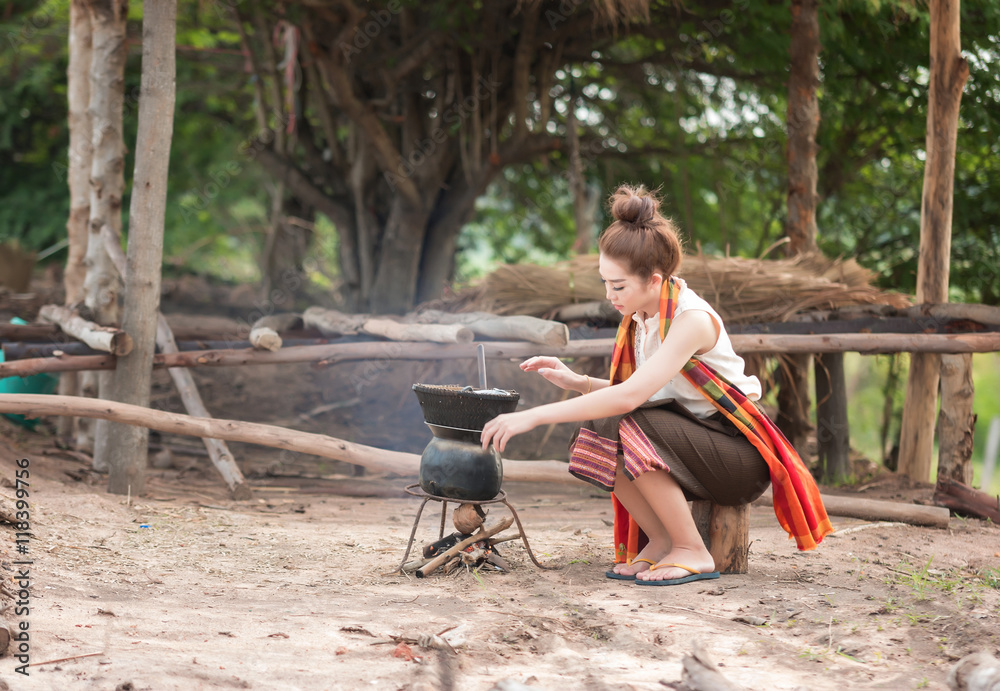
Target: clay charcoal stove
<point>455,467</point>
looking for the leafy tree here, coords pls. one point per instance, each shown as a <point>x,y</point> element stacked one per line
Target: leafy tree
<point>719,124</point>
<point>371,100</point>
<point>213,219</point>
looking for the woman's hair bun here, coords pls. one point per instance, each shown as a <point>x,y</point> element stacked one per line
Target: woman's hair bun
<point>634,205</point>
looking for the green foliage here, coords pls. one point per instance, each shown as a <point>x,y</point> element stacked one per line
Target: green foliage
<point>32,127</point>
<point>215,212</point>
<point>694,105</point>
<point>505,231</point>
<point>705,123</point>
<point>866,381</point>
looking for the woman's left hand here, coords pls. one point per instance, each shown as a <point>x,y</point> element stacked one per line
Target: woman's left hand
<point>500,429</point>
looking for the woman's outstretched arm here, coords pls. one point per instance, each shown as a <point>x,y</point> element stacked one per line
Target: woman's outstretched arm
<point>691,332</point>
<point>555,371</point>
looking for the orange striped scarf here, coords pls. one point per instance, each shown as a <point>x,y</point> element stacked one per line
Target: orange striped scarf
<point>797,503</point>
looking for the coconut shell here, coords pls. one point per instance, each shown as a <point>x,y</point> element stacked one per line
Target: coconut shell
<point>468,518</point>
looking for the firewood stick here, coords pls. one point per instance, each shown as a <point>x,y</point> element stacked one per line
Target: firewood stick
<point>332,322</point>
<point>875,510</point>
<point>332,353</point>
<point>984,314</point>
<point>33,350</point>
<point>265,338</point>
<point>264,333</point>
<point>105,338</point>
<point>64,659</point>
<point>504,328</point>
<point>964,499</point>
<point>38,331</point>
<point>379,460</point>
<point>413,565</point>
<point>436,333</point>
<point>437,561</point>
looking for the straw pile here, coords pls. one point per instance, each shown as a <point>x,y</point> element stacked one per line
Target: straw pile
<point>741,290</point>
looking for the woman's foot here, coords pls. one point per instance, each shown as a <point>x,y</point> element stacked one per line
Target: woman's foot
<point>699,560</point>
<point>643,562</point>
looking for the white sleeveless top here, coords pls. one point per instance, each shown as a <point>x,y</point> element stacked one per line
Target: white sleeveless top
<point>722,358</point>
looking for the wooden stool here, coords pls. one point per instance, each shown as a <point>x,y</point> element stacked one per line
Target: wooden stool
<point>726,532</point>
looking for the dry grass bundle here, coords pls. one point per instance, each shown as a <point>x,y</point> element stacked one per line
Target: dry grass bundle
<point>772,290</point>
<point>537,290</point>
<point>742,290</point>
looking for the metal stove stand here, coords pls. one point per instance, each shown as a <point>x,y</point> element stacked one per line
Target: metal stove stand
<point>500,498</point>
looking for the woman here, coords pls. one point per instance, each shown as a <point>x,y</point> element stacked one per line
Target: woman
<point>684,428</point>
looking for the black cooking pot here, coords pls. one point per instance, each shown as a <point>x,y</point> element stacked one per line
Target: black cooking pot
<point>463,407</point>
<point>457,469</point>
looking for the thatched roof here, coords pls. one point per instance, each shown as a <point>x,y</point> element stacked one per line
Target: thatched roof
<point>742,290</point>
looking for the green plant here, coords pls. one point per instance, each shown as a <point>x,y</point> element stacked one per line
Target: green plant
<point>991,576</point>
<point>840,652</point>
<point>920,580</point>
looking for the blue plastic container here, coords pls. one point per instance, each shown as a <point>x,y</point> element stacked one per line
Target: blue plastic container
<point>44,383</point>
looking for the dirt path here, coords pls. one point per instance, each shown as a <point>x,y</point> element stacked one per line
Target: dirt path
<point>183,589</point>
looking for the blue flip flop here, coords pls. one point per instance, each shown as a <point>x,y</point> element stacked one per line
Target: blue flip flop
<point>696,575</point>
<point>619,577</point>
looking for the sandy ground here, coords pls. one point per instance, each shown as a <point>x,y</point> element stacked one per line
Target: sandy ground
<point>183,589</point>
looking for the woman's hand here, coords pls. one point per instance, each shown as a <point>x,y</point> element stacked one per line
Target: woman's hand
<point>500,429</point>
<point>556,371</point>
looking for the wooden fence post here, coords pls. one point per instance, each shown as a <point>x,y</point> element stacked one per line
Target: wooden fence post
<point>949,72</point>
<point>126,445</point>
<point>833,443</point>
<point>956,423</point>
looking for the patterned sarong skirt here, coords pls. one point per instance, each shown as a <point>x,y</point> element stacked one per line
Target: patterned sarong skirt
<point>709,458</point>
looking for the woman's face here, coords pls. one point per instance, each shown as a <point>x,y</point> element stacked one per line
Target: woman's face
<point>627,292</point>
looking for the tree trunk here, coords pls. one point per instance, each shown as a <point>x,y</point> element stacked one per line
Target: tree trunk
<point>395,287</point>
<point>802,125</point>
<point>285,251</point>
<point>890,451</point>
<point>102,285</point>
<point>452,210</point>
<point>949,72</point>
<point>832,431</point>
<point>78,175</point>
<point>956,421</point>
<point>186,388</point>
<point>578,185</point>
<point>793,401</point>
<point>80,148</point>
<point>128,445</point>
